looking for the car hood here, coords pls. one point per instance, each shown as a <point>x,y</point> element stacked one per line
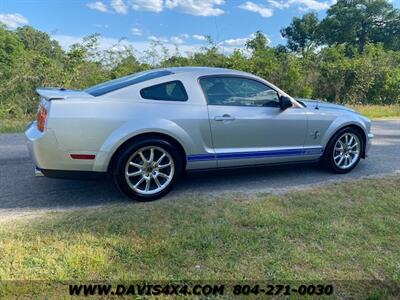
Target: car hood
<point>323,105</point>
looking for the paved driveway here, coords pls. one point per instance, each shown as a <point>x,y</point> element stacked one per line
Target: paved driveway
<point>21,192</point>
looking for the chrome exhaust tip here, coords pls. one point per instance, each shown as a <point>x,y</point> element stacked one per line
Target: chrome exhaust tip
<point>38,173</point>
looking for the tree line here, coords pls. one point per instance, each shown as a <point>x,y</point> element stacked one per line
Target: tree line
<point>352,56</point>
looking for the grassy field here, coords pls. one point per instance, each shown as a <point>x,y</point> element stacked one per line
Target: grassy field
<point>346,231</point>
<point>378,111</point>
<point>14,125</point>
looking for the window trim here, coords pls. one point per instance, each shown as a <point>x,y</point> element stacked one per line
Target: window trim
<point>234,76</point>
<point>165,82</point>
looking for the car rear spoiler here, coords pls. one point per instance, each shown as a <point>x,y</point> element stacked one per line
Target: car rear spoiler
<point>61,93</point>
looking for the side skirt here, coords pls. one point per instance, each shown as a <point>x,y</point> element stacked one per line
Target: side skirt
<point>314,162</point>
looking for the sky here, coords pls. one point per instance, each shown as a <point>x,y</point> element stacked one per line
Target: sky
<point>173,22</point>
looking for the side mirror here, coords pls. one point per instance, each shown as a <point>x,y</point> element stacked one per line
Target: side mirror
<point>285,102</point>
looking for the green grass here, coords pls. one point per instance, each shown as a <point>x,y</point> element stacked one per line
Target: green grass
<point>346,231</point>
<point>8,125</point>
<point>378,111</point>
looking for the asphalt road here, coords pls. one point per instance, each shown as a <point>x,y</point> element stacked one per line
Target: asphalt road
<point>21,191</point>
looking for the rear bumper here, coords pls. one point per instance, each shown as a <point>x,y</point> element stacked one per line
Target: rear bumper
<point>42,146</point>
<point>46,153</point>
<point>62,174</point>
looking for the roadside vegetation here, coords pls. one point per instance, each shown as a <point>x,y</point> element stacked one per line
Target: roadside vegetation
<point>378,111</point>
<point>344,231</point>
<point>17,124</point>
<point>360,65</point>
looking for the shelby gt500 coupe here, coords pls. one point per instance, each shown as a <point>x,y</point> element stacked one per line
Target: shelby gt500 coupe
<point>146,129</point>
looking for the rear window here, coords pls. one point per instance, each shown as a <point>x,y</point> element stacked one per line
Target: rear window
<point>116,84</point>
<point>168,91</point>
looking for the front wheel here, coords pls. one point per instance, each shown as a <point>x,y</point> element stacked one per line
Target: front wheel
<point>148,169</point>
<point>343,151</point>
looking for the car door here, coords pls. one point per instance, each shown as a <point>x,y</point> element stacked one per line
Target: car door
<point>247,124</point>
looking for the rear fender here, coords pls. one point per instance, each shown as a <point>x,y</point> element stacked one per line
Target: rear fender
<point>131,129</point>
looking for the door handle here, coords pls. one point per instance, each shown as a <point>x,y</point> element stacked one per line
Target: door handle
<point>224,118</point>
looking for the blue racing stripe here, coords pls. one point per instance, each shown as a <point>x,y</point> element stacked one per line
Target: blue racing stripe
<point>198,157</point>
<point>256,154</point>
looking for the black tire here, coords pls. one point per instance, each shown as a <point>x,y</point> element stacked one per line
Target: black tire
<point>328,162</point>
<point>126,153</point>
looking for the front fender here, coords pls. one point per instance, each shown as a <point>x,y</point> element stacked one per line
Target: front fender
<point>134,128</point>
<point>342,122</point>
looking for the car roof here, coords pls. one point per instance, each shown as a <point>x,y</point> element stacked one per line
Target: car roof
<point>160,74</point>
<point>199,71</point>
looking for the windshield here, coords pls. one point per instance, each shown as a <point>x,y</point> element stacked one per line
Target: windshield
<point>116,84</point>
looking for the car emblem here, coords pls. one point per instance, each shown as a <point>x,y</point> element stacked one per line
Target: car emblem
<point>315,134</point>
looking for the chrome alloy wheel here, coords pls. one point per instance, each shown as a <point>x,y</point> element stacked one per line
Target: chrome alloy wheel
<point>149,170</point>
<point>347,150</point>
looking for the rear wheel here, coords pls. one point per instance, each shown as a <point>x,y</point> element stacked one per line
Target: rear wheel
<point>148,169</point>
<point>343,151</point>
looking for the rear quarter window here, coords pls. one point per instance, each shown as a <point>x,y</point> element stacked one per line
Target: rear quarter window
<point>116,84</point>
<point>167,91</point>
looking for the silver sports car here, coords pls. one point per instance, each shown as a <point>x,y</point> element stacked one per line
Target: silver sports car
<point>146,129</point>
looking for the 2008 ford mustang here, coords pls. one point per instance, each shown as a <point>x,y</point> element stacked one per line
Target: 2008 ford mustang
<point>146,129</point>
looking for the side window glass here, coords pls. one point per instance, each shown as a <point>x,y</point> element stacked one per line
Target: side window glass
<point>238,91</point>
<point>168,91</point>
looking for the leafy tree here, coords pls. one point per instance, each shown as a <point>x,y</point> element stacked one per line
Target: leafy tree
<point>35,40</point>
<point>302,34</point>
<point>337,72</point>
<point>296,75</point>
<point>258,43</point>
<point>175,61</point>
<point>281,49</point>
<point>128,65</point>
<point>358,22</point>
<point>238,61</point>
<point>11,49</point>
<point>333,66</point>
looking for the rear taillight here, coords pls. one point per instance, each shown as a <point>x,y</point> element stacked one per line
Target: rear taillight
<point>41,118</point>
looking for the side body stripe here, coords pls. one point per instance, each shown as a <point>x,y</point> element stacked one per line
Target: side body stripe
<point>257,154</point>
